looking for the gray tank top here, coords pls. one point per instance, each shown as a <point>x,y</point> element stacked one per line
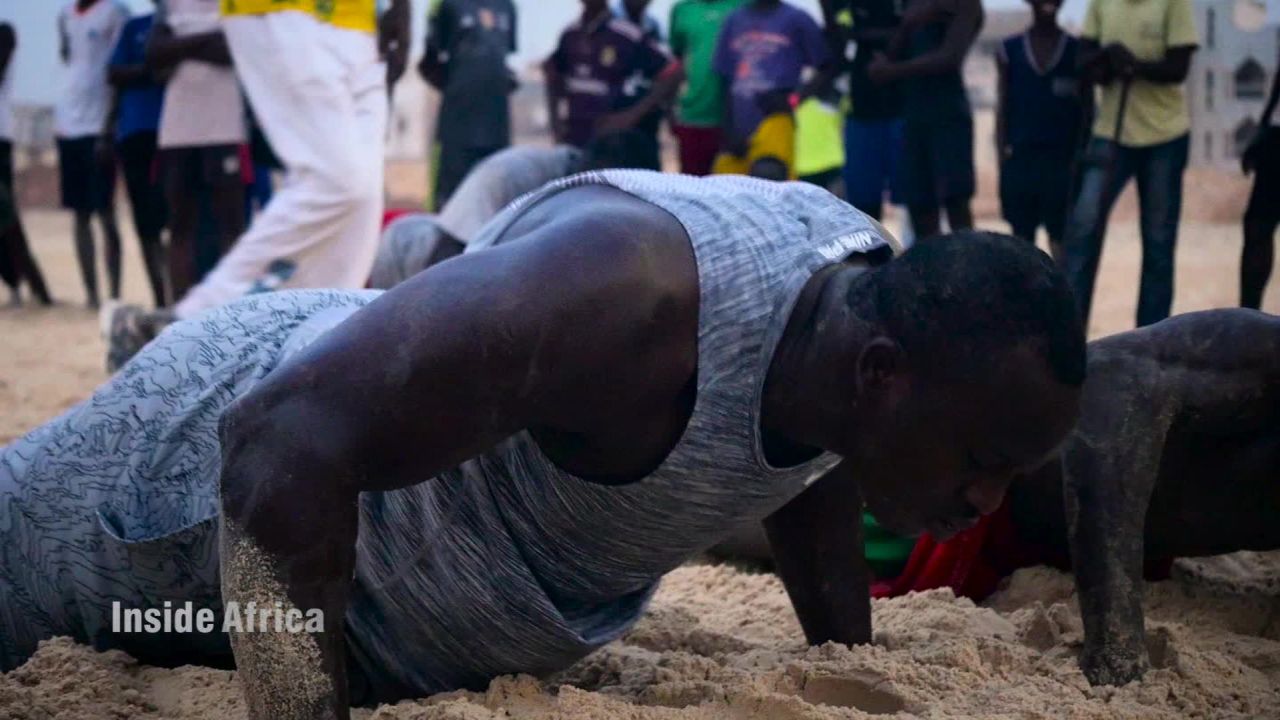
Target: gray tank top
<point>510,564</point>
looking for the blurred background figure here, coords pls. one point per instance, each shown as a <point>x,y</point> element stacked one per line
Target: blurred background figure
<point>1262,159</point>
<point>88,31</point>
<point>1041,115</point>
<point>466,60</point>
<point>873,130</point>
<point>131,135</point>
<point>926,59</point>
<point>1140,53</point>
<point>202,132</point>
<point>762,54</point>
<point>695,30</point>
<point>16,262</point>
<point>607,76</point>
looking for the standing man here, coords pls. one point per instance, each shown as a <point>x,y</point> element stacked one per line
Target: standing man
<point>926,58</point>
<point>138,102</point>
<point>606,76</point>
<point>88,30</point>
<point>202,132</point>
<point>1140,52</point>
<point>873,128</point>
<point>16,262</point>
<point>316,80</point>
<point>695,31</point>
<point>1040,116</point>
<point>466,60</point>
<point>762,54</point>
<point>1262,158</point>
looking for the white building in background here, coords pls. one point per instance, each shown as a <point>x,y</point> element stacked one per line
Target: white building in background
<point>1230,77</point>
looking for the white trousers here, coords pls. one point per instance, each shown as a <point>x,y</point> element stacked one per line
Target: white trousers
<point>319,94</point>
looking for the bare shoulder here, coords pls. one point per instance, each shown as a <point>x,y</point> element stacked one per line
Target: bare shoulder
<point>1229,340</point>
<point>1209,366</point>
<point>610,245</point>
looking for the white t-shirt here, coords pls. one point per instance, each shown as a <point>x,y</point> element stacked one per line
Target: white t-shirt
<point>91,37</point>
<point>202,102</point>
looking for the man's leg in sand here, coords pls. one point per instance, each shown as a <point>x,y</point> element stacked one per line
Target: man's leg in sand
<point>324,114</point>
<point>1260,221</point>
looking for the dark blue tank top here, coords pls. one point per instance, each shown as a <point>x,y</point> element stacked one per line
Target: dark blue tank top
<point>1043,106</point>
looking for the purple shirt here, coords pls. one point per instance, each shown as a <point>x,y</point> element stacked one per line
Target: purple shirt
<point>607,65</point>
<point>763,51</point>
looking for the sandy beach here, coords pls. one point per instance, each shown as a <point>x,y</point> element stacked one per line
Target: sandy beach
<point>721,643</point>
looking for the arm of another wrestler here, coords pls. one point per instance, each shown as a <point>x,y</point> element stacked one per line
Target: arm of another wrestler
<point>1110,465</point>
<point>817,547</point>
<point>584,325</point>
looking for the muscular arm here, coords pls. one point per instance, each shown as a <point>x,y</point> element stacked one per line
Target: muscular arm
<point>817,546</point>
<point>468,353</point>
<point>1110,466</point>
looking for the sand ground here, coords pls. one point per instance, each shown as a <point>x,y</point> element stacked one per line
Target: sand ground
<point>719,643</point>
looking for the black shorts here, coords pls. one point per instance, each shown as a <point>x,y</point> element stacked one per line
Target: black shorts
<point>1035,189</point>
<point>188,169</point>
<point>87,184</point>
<point>937,161</point>
<point>137,154</point>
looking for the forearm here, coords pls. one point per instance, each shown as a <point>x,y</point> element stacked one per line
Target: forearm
<point>288,541</point>
<point>1166,72</point>
<point>818,548</point>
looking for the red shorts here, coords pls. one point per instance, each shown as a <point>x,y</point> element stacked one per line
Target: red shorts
<point>698,148</point>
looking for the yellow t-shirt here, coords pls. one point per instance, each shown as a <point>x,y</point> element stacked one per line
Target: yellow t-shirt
<point>350,14</point>
<point>1157,112</point>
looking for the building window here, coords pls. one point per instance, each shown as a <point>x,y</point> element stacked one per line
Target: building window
<point>1243,135</point>
<point>1210,28</point>
<point>1208,145</point>
<point>1251,81</point>
<point>1208,90</point>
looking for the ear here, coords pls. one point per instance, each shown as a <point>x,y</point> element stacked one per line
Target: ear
<point>879,364</point>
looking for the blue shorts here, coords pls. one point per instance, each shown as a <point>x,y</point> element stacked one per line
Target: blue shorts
<point>873,164</point>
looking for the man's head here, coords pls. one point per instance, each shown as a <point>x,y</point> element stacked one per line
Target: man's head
<point>1044,11</point>
<point>636,8</point>
<point>969,374</point>
<point>616,150</point>
<point>591,8</point>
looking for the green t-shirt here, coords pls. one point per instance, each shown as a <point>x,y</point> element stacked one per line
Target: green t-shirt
<point>695,27</point>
